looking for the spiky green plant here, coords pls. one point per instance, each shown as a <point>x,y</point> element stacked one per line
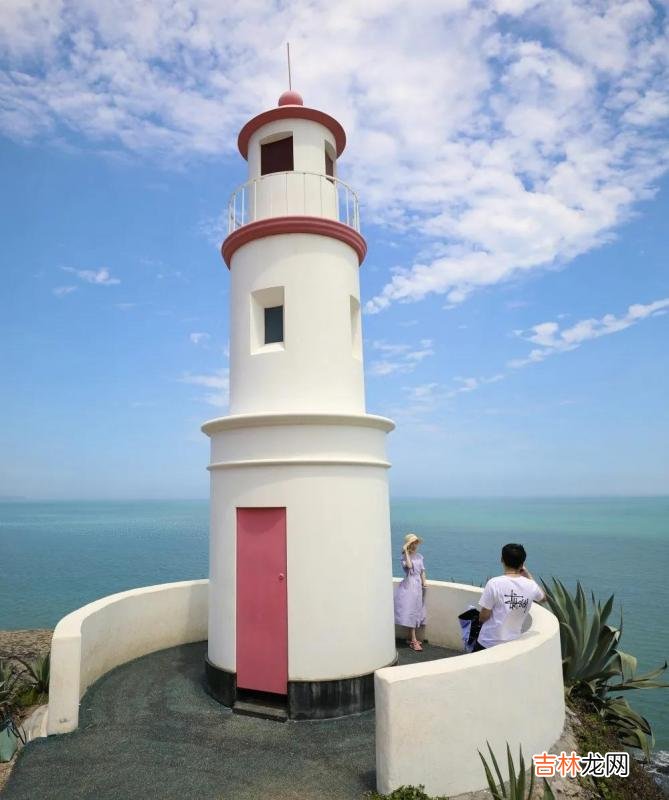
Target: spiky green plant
<point>517,785</point>
<point>593,667</point>
<point>7,676</point>
<point>36,675</point>
<point>8,685</point>
<point>9,716</point>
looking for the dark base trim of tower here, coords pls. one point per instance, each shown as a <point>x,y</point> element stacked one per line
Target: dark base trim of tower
<point>221,684</point>
<point>305,699</point>
<point>328,699</point>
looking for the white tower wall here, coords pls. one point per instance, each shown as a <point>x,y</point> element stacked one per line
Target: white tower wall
<point>340,605</point>
<point>318,367</point>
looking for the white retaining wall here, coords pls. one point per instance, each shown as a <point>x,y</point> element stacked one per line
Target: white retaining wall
<point>98,637</point>
<point>431,718</point>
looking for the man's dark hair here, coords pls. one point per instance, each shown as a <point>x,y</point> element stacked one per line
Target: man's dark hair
<point>514,555</point>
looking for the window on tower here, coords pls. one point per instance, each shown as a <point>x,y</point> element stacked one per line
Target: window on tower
<point>329,161</point>
<point>274,324</point>
<point>267,320</point>
<point>277,156</point>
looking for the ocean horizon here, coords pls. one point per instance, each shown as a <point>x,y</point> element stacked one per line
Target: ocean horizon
<point>58,555</point>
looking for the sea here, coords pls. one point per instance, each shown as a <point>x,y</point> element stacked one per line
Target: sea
<point>57,556</point>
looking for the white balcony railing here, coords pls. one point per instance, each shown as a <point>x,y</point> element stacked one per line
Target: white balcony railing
<point>282,194</point>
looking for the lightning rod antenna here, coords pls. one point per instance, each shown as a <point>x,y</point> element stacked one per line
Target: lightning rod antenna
<point>290,83</point>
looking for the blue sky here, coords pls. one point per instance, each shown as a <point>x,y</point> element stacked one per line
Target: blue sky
<point>515,198</point>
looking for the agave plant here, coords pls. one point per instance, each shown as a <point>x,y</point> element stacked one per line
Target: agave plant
<point>517,783</point>
<point>37,674</point>
<point>8,684</point>
<point>594,668</point>
<point>9,720</point>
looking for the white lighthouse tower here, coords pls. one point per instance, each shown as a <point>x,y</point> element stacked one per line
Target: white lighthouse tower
<point>301,606</point>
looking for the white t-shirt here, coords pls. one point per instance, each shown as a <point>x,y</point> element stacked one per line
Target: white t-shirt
<point>509,598</point>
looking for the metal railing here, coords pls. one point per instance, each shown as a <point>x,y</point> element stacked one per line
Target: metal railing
<point>282,194</point>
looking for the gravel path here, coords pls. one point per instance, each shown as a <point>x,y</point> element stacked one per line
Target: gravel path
<point>149,730</point>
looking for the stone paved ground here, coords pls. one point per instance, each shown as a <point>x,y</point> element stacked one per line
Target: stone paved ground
<point>149,730</point>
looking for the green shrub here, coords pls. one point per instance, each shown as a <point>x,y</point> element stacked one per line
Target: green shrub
<point>595,736</point>
<point>594,668</point>
<point>404,793</point>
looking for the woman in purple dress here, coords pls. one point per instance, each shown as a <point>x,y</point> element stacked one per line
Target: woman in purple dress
<point>409,594</point>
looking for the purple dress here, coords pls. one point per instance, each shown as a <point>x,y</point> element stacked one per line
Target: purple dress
<point>409,600</point>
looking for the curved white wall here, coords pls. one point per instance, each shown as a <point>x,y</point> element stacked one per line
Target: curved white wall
<point>98,637</point>
<point>318,367</point>
<point>431,718</point>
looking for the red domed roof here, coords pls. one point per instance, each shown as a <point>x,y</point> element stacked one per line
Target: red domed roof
<point>291,98</point>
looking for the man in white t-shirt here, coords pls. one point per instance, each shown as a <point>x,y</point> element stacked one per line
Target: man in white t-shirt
<point>506,600</point>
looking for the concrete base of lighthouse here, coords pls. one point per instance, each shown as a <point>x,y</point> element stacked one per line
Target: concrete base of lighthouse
<point>305,699</point>
<point>327,475</point>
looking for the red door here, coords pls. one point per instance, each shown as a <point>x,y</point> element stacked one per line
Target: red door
<point>262,607</point>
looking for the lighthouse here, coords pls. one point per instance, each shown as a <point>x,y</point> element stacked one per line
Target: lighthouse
<point>301,604</point>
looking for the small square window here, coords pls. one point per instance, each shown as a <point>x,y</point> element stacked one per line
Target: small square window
<point>274,324</point>
<point>267,334</point>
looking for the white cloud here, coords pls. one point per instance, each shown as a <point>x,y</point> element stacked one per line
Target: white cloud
<point>465,385</point>
<point>100,277</point>
<point>522,135</point>
<point>424,393</point>
<point>61,291</point>
<point>549,336</point>
<point>214,228</point>
<point>399,358</point>
<point>417,406</point>
<point>544,333</point>
<point>219,381</point>
<point>199,338</point>
<point>553,339</point>
<point>27,26</point>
